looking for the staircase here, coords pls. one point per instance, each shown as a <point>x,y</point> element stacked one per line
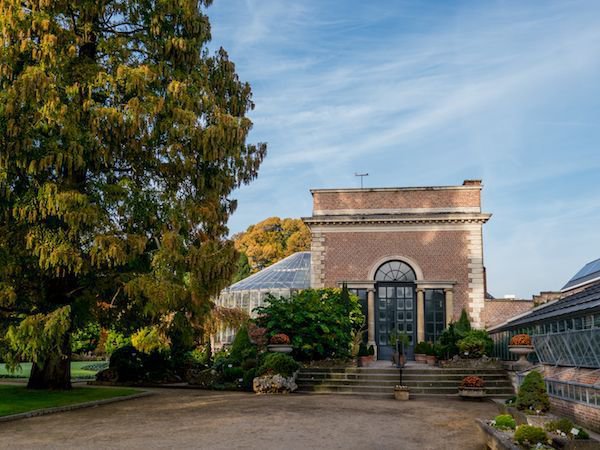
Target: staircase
<point>422,381</point>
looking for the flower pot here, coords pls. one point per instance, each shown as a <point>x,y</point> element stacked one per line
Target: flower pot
<point>420,358</point>
<point>471,392</point>
<point>364,361</point>
<point>279,348</point>
<point>401,393</point>
<point>430,360</point>
<point>398,359</point>
<point>522,351</point>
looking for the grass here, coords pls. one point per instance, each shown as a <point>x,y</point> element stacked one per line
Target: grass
<point>18,399</point>
<point>79,369</point>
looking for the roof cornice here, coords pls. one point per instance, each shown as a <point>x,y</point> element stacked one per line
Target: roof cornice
<point>452,218</point>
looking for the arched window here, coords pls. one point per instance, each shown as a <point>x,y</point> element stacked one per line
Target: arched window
<point>395,271</point>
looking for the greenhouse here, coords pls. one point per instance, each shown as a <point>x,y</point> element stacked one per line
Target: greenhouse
<point>281,280</point>
<point>566,336</point>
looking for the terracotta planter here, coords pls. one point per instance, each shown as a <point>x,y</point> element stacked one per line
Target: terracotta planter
<point>279,348</point>
<point>471,392</point>
<point>401,393</point>
<point>431,360</point>
<point>420,358</point>
<point>365,361</point>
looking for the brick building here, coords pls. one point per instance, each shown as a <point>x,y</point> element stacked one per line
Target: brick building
<point>413,255</point>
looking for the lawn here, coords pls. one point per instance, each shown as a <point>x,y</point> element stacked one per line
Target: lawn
<point>79,369</point>
<point>18,399</point>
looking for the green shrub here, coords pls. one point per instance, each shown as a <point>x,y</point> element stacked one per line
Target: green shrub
<point>249,376</point>
<point>363,350</point>
<point>371,350</point>
<point>562,425</point>
<point>532,393</point>
<point>278,363</point>
<point>232,373</point>
<point>463,326</point>
<point>320,322</point>
<point>449,341</point>
<point>85,339</point>
<point>248,364</point>
<point>114,341</point>
<point>475,344</point>
<point>530,436</point>
<point>505,422</point>
<point>422,347</point>
<point>242,347</point>
<point>127,363</point>
<point>582,434</point>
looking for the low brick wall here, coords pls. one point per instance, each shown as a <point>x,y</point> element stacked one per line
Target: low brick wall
<point>585,415</point>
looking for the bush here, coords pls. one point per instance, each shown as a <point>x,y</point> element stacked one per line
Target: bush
<point>532,394</point>
<point>475,344</point>
<point>114,341</point>
<point>566,426</point>
<point>278,363</point>
<point>232,373</point>
<point>242,347</point>
<point>422,347</point>
<point>85,339</point>
<point>530,436</point>
<point>127,363</point>
<point>505,422</point>
<point>463,326</point>
<point>449,341</point>
<point>320,321</point>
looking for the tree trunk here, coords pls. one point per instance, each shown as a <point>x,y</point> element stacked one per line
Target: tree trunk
<point>55,373</point>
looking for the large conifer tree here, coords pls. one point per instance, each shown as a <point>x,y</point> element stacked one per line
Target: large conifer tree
<point>121,140</point>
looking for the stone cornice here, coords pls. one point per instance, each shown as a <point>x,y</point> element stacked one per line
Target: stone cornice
<point>381,219</point>
<point>395,189</point>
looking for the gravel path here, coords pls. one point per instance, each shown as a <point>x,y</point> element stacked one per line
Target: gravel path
<point>224,420</point>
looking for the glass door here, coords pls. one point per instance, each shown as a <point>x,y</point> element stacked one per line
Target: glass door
<point>395,312</point>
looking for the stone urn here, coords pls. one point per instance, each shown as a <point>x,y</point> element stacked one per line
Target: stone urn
<point>401,392</point>
<point>431,359</point>
<point>471,392</point>
<point>522,351</point>
<point>280,348</point>
<point>420,358</point>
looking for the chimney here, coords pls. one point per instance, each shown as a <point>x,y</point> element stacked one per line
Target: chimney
<point>472,183</point>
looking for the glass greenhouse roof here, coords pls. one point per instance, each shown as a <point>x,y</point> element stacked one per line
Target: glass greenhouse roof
<point>589,272</point>
<point>292,272</point>
<point>579,303</point>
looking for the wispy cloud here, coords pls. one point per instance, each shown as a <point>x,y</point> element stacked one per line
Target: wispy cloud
<point>421,93</point>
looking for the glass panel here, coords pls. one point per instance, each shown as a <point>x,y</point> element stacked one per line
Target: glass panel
<point>400,316</point>
<point>409,316</point>
<point>381,292</point>
<point>400,304</point>
<point>382,303</point>
<point>409,303</point>
<point>390,292</point>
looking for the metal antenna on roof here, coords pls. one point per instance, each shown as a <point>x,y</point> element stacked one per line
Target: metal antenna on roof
<point>361,175</point>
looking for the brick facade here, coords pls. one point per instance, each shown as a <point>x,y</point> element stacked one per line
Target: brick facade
<point>435,230</point>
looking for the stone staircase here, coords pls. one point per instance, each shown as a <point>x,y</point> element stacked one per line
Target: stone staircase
<point>423,381</point>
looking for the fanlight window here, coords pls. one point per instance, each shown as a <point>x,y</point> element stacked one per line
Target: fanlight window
<point>395,271</point>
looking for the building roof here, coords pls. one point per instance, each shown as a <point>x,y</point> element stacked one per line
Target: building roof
<point>587,274</point>
<point>580,302</point>
<point>292,272</point>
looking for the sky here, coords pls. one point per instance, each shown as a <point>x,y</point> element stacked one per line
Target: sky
<point>431,93</point>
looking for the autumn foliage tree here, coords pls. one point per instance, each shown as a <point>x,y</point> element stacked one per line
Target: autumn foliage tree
<point>271,240</point>
<point>121,140</point>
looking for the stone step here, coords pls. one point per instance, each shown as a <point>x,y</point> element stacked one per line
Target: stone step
<point>416,383</point>
<point>396,376</point>
<point>325,388</point>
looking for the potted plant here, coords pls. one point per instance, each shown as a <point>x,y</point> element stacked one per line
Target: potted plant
<point>399,341</point>
<point>280,343</point>
<point>401,392</point>
<point>421,352</point>
<point>520,344</point>
<point>430,355</point>
<point>364,356</point>
<point>471,387</point>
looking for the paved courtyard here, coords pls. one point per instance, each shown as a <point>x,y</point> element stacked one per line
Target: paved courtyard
<point>204,419</point>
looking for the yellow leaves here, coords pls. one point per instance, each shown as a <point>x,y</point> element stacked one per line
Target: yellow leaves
<point>150,339</point>
<point>8,296</point>
<point>135,79</point>
<point>115,251</point>
<point>38,337</point>
<point>54,251</point>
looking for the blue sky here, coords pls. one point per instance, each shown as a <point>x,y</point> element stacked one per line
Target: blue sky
<point>431,93</point>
